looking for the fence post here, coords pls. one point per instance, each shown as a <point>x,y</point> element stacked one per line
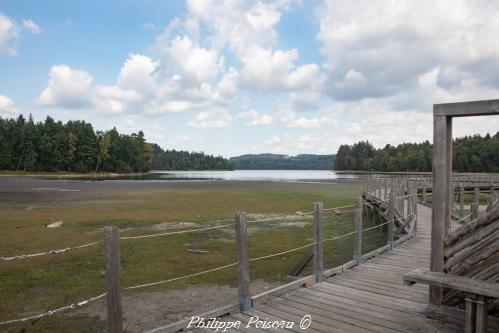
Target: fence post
<point>461,201</point>
<point>391,219</point>
<point>474,211</point>
<point>319,246</point>
<point>243,263</point>
<point>113,279</point>
<point>415,211</point>
<point>357,248</point>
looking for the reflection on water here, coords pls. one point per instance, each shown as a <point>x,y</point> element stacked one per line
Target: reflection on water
<point>239,175</point>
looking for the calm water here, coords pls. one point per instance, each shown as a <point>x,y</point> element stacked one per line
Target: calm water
<point>240,175</point>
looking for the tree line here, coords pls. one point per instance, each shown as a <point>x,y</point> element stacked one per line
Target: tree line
<point>74,146</point>
<point>470,154</point>
<point>282,162</point>
<point>184,160</point>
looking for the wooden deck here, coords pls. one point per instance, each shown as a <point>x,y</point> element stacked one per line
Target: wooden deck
<point>366,298</point>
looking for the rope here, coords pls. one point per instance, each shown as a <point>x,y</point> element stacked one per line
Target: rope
<point>463,218</point>
<point>51,312</point>
<point>27,256</point>
<point>181,277</point>
<point>341,207</point>
<point>281,253</point>
<point>178,232</point>
<point>338,237</point>
<point>376,226</point>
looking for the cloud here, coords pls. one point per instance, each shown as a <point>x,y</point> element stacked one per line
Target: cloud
<point>380,48</point>
<point>9,35</point>
<point>149,26</point>
<point>211,119</point>
<point>138,74</point>
<point>31,26</point>
<point>254,118</point>
<point>287,117</point>
<point>267,71</point>
<point>73,89</point>
<point>7,107</point>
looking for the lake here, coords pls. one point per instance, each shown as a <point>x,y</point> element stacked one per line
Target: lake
<point>236,175</point>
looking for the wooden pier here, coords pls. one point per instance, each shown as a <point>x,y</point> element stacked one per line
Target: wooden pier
<point>367,298</point>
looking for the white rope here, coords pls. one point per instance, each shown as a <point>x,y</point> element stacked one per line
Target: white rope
<point>281,253</point>
<point>340,236</point>
<point>376,226</point>
<point>32,255</point>
<point>341,207</point>
<point>178,232</point>
<point>181,277</point>
<point>51,312</point>
<point>463,218</point>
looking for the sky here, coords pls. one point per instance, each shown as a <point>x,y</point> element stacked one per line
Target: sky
<point>237,77</point>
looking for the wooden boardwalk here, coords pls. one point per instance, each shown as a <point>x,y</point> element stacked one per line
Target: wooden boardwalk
<point>366,298</point>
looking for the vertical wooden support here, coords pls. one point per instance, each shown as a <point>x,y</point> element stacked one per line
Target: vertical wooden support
<point>391,219</point>
<point>461,201</point>
<point>474,210</point>
<point>470,316</point>
<point>385,193</point>
<point>319,246</point>
<point>113,279</point>
<point>482,310</point>
<point>415,212</point>
<point>357,248</point>
<point>441,196</point>
<point>476,196</point>
<point>243,263</point>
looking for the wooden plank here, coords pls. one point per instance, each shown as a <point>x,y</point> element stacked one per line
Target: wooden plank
<point>357,254</point>
<point>460,283</point>
<point>113,279</point>
<point>243,263</point>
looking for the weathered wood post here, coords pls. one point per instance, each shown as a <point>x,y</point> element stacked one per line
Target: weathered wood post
<point>113,280</point>
<point>243,263</point>
<point>357,249</point>
<point>391,219</point>
<point>415,212</point>
<point>319,246</point>
<point>461,201</point>
<point>476,196</point>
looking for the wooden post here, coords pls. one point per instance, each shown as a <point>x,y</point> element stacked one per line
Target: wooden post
<point>461,201</point>
<point>113,279</point>
<point>482,310</point>
<point>474,211</point>
<point>391,220</point>
<point>357,248</point>
<point>476,196</point>
<point>319,246</point>
<point>243,263</point>
<point>441,196</point>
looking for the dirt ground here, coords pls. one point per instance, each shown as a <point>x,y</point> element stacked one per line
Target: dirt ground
<point>144,311</point>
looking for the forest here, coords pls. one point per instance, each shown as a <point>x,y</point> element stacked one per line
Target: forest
<point>75,146</point>
<point>282,162</point>
<point>470,154</point>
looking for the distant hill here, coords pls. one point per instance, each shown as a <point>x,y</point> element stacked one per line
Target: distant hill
<point>282,162</point>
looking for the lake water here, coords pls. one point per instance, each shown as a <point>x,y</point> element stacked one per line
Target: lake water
<point>236,175</point>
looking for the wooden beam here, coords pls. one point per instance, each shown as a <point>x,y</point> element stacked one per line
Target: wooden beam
<point>441,196</point>
<point>467,109</point>
<point>460,283</point>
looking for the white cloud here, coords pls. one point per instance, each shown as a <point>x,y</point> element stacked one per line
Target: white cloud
<point>67,88</point>
<point>211,119</point>
<point>73,89</point>
<point>149,26</point>
<point>7,107</point>
<point>9,35</point>
<point>287,117</point>
<point>254,118</point>
<point>31,26</point>
<point>138,73</point>
<point>267,71</point>
<point>380,48</point>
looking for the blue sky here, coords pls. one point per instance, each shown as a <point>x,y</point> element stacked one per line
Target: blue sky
<point>232,77</point>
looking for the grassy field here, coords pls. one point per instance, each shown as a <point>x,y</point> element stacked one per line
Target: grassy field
<point>36,285</point>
